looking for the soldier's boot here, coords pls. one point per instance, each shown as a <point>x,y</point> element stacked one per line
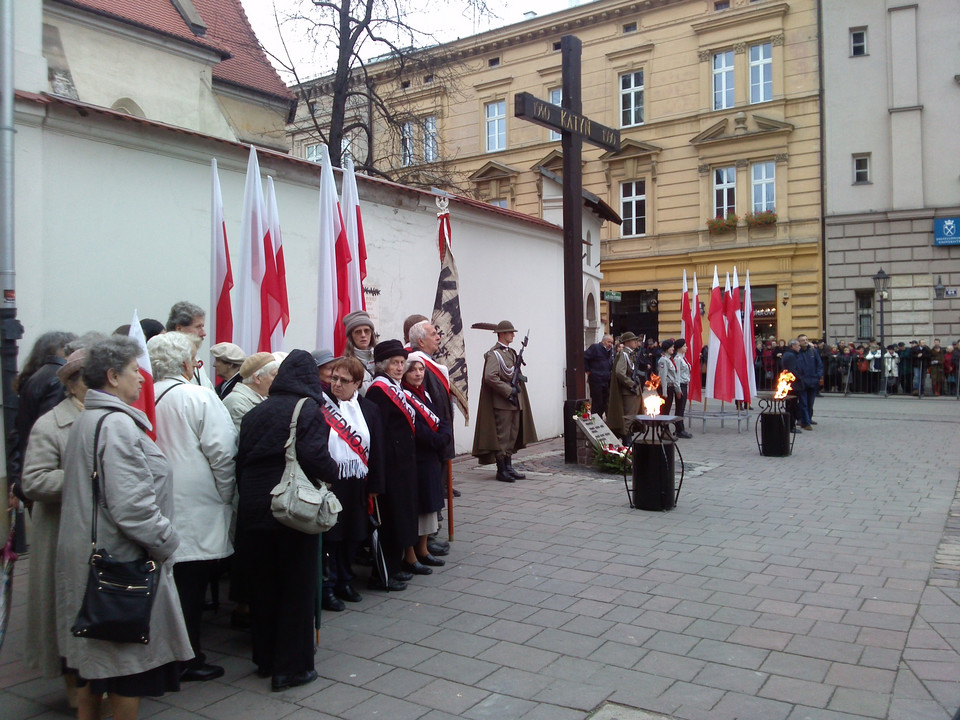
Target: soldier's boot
<point>502,474</point>
<point>512,471</point>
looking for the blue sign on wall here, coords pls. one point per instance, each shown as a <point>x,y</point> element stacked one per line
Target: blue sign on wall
<point>946,231</point>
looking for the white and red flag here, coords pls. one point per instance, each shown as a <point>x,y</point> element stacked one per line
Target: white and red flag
<point>221,280</point>
<point>686,315</point>
<point>333,299</point>
<point>695,391</point>
<point>735,338</point>
<point>274,307</point>
<point>719,367</point>
<point>253,229</point>
<point>353,223</point>
<point>749,341</point>
<point>146,401</point>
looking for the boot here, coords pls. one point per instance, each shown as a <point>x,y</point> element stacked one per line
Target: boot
<point>502,474</point>
<point>510,469</point>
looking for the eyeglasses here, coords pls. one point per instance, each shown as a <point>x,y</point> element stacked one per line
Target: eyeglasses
<point>337,380</point>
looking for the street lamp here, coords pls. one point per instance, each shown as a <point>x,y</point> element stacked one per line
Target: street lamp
<point>939,290</point>
<point>881,281</point>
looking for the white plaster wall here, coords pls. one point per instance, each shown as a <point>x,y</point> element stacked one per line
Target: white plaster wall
<point>113,215</point>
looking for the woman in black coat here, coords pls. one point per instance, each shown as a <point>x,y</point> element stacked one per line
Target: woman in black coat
<point>433,434</point>
<point>281,563</point>
<point>356,444</point>
<point>400,504</point>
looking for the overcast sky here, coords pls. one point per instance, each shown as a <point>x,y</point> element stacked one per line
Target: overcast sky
<point>444,26</point>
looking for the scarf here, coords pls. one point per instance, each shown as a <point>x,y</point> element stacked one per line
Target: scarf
<point>417,397</point>
<point>349,442</point>
<point>391,388</point>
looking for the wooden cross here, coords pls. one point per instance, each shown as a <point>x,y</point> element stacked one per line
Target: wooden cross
<point>574,128</point>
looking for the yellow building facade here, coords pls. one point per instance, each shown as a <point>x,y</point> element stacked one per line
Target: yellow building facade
<point>718,108</point>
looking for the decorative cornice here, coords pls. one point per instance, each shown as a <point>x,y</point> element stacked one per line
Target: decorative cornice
<point>776,40</point>
<point>630,148</point>
<point>493,84</point>
<point>704,55</point>
<point>733,18</point>
<point>739,48</point>
<point>640,49</point>
<point>494,170</point>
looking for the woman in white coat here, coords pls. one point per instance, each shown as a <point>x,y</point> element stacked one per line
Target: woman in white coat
<point>42,482</point>
<point>195,432</point>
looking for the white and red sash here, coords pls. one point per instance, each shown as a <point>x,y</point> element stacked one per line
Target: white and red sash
<point>426,413</point>
<point>439,371</point>
<point>334,418</point>
<point>397,398</point>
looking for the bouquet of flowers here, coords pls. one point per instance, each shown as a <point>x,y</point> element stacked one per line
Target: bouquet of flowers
<point>584,410</point>
<point>614,458</point>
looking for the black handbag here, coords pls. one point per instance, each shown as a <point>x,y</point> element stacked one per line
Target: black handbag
<point>119,595</point>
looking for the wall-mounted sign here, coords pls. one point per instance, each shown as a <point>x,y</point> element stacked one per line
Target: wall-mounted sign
<point>612,296</point>
<point>950,292</point>
<point>946,231</point>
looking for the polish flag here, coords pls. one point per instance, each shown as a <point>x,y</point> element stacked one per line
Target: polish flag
<point>719,367</point>
<point>221,281</point>
<point>274,307</point>
<point>686,316</point>
<point>735,337</point>
<point>749,341</point>
<point>353,223</point>
<point>146,401</point>
<point>253,229</point>
<point>695,391</point>
<point>333,299</point>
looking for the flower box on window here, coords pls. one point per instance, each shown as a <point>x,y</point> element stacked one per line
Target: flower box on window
<point>767,217</point>
<point>722,224</point>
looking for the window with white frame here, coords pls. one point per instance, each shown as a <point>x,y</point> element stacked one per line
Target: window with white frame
<point>764,187</point>
<point>430,148</point>
<point>406,144</point>
<point>312,152</point>
<point>633,208</point>
<point>861,169</point>
<point>498,202</point>
<point>556,97</point>
<point>761,73</point>
<point>724,191</point>
<point>858,42</point>
<point>865,314</point>
<point>723,80</point>
<point>346,149</point>
<point>631,99</point>
<point>495,114</point>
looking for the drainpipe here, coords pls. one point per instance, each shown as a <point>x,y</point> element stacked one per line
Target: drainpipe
<point>823,173</point>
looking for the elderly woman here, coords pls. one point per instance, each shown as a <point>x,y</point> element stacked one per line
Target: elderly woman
<point>227,360</point>
<point>42,482</point>
<point>282,562</point>
<point>432,435</point>
<point>400,506</point>
<point>195,432</point>
<point>257,373</point>
<point>355,444</point>
<point>134,518</point>
<point>361,340</point>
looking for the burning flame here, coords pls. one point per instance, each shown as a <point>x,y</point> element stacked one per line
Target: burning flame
<point>651,400</point>
<point>784,384</point>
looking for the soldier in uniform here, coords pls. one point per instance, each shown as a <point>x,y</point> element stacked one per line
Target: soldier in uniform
<point>625,386</point>
<point>504,421</point>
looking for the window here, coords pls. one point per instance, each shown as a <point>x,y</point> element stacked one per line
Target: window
<point>723,80</point>
<point>761,73</point>
<point>724,191</point>
<point>427,79</point>
<point>346,149</point>
<point>633,206</point>
<point>631,99</point>
<point>430,153</point>
<point>496,122</point>
<point>405,84</point>
<point>764,195</point>
<point>861,169</point>
<point>406,144</point>
<point>499,202</point>
<point>865,314</point>
<point>493,62</point>
<point>721,5</point>
<point>556,97</point>
<point>629,27</point>
<point>312,153</point>
<point>556,46</point>
<point>858,42</point>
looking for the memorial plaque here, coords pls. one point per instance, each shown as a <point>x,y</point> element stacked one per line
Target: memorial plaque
<point>596,431</point>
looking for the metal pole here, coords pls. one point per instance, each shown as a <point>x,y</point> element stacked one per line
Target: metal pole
<point>883,347</point>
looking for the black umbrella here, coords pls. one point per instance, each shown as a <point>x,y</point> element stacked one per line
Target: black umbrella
<point>7,558</point>
<point>376,549</point>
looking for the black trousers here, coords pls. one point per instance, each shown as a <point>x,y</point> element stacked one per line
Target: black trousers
<point>338,557</point>
<point>192,579</point>
<point>283,572</point>
<point>599,396</point>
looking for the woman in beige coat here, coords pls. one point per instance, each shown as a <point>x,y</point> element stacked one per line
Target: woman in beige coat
<point>134,518</point>
<point>42,482</point>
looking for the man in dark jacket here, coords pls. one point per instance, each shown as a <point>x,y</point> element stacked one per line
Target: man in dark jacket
<point>598,360</point>
<point>809,370</point>
<point>789,364</point>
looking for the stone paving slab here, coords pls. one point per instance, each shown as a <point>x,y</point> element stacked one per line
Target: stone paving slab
<point>825,585</point>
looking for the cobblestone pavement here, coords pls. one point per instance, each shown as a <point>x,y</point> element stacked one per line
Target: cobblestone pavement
<point>822,585</point>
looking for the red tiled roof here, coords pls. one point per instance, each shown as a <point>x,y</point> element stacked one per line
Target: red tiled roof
<point>228,32</point>
<point>227,25</point>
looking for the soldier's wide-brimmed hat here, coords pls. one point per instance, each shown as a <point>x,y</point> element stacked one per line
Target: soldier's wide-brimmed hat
<point>388,349</point>
<point>628,336</point>
<point>505,326</point>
